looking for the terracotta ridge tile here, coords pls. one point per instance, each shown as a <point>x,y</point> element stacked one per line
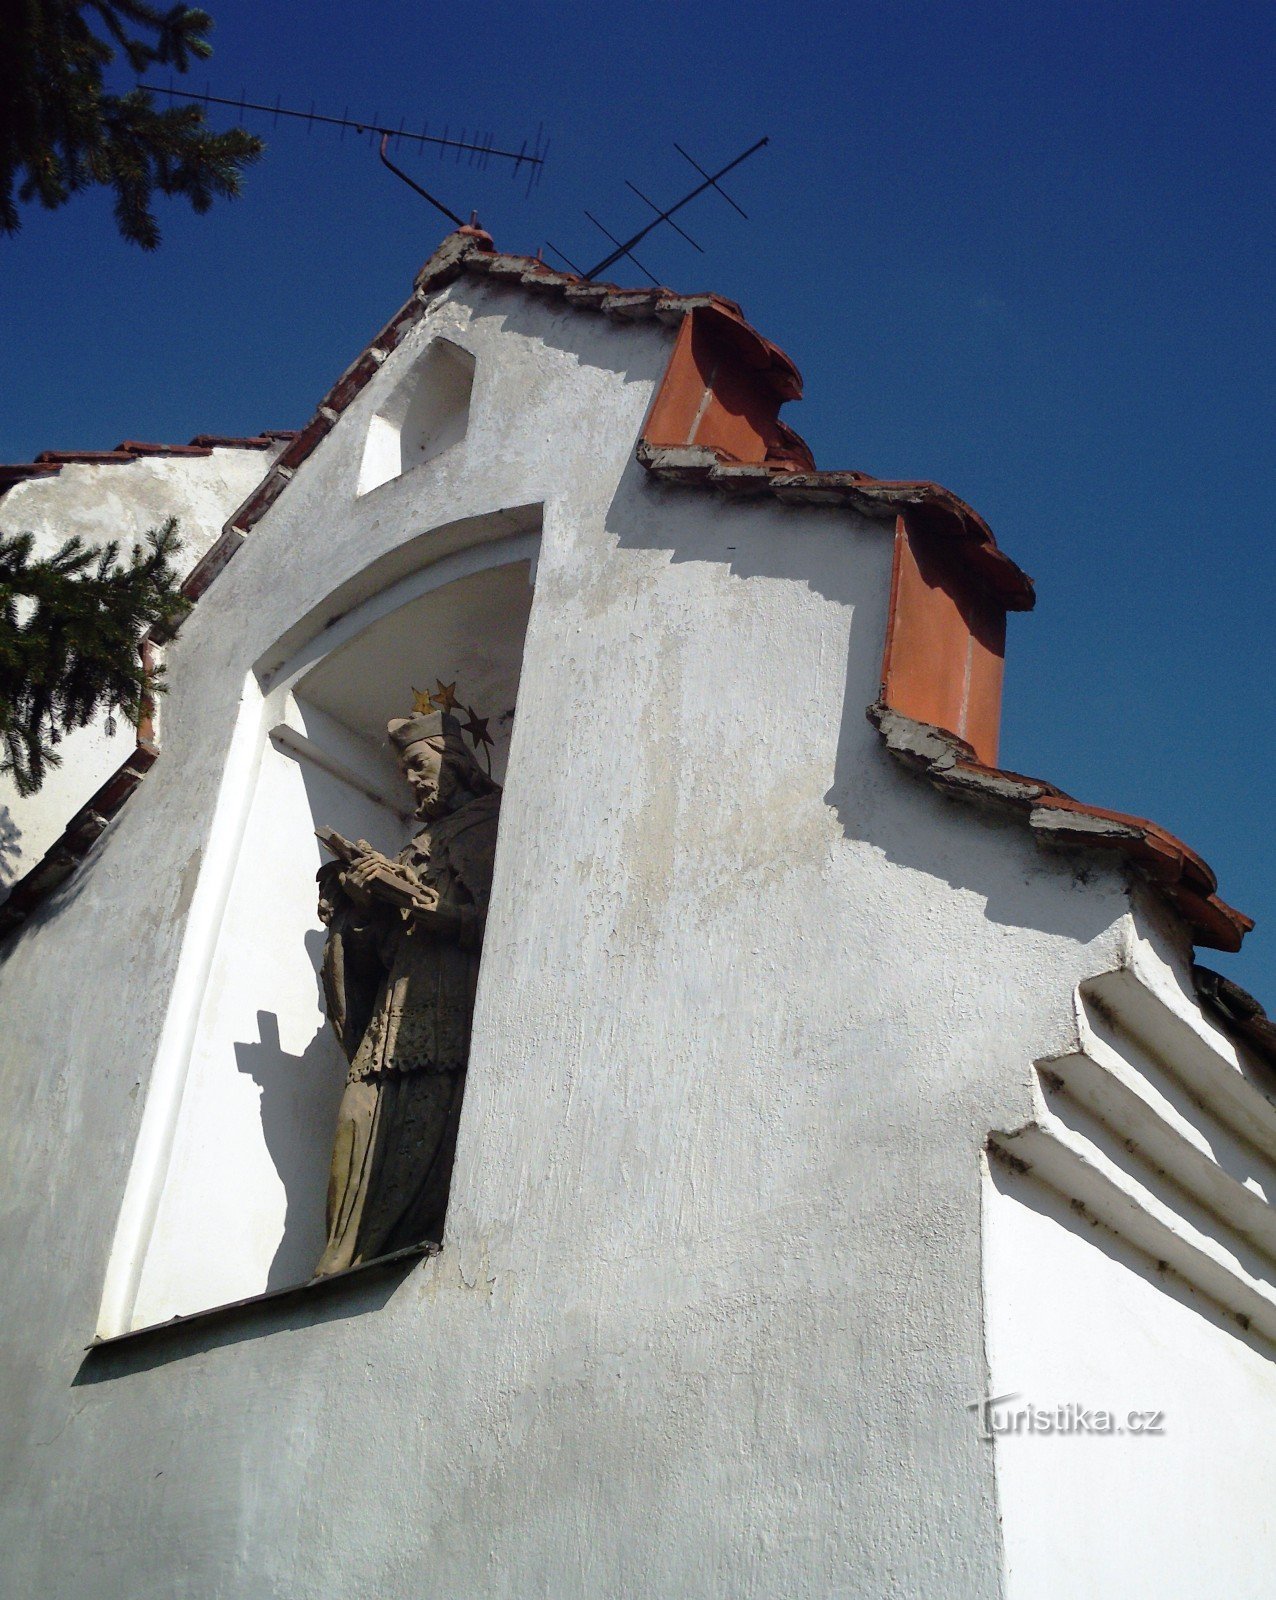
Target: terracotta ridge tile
<point>1187,882</point>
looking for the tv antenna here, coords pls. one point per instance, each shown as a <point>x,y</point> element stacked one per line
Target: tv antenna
<point>477,147</point>
<point>626,247</point>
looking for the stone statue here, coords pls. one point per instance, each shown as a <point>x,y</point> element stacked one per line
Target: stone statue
<point>399,972</point>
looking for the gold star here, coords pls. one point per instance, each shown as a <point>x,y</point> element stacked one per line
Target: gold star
<point>422,703</point>
<point>444,696</point>
<point>476,727</point>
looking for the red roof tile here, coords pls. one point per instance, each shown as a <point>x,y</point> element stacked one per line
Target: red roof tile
<point>1056,818</point>
<point>50,462</point>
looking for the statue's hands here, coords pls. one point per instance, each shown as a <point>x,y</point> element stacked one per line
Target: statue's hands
<point>358,878</point>
<point>373,876</point>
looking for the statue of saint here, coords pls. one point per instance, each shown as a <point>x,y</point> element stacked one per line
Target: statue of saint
<point>399,973</point>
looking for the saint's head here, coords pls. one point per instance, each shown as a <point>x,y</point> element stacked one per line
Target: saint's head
<point>437,762</point>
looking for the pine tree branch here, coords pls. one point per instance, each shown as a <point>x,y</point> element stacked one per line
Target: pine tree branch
<point>61,132</point>
<point>70,625</point>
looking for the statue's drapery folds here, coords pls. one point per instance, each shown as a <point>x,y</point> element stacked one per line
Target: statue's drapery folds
<point>399,973</point>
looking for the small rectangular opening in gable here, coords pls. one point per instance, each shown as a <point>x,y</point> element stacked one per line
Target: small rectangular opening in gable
<point>426,413</point>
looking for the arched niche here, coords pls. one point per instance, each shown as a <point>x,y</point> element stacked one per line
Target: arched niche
<point>426,413</point>
<point>236,1205</point>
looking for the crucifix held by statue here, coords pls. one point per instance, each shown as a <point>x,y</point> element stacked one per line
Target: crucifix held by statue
<point>399,971</point>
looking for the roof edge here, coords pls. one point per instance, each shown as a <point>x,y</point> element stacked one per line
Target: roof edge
<point>49,463</point>
<point>1056,819</point>
<point>1237,1010</point>
<point>934,508</point>
<point>79,836</point>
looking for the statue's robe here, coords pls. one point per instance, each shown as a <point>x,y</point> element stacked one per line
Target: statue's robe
<point>400,1000</point>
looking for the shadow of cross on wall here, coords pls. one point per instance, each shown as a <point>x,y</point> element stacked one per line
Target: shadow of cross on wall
<point>299,1099</point>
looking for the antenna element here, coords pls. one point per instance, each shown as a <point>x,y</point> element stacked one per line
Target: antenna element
<point>666,215</point>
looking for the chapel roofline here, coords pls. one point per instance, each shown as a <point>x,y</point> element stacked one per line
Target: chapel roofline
<point>49,463</point>
<point>718,400</point>
<point>713,424</point>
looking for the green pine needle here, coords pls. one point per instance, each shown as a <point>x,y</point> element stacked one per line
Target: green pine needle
<point>69,630</point>
<point>61,133</point>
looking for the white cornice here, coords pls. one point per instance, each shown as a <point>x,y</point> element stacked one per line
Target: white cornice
<point>1157,1126</point>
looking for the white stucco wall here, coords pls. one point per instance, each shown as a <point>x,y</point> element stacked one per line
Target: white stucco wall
<point>709,1310</point>
<point>123,501</point>
<point>1130,1269</point>
<point>1079,1317</point>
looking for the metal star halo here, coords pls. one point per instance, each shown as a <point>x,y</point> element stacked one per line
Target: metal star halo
<point>443,698</point>
<point>444,695</point>
<point>476,727</point>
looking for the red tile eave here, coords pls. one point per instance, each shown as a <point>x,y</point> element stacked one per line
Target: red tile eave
<point>89,458</point>
<point>1183,877</point>
<point>927,505</point>
<point>1188,879</point>
<point>21,471</point>
<point>50,462</point>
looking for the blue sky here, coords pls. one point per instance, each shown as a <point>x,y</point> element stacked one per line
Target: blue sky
<point>1025,251</point>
